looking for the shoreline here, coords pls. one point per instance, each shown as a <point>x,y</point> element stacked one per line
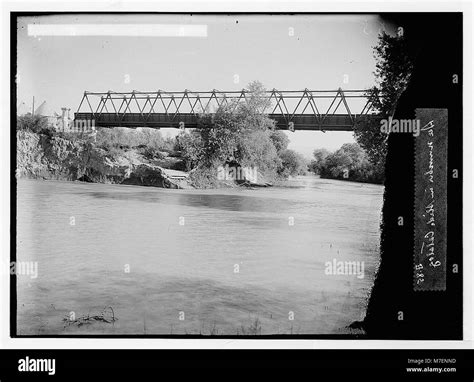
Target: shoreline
<point>46,157</point>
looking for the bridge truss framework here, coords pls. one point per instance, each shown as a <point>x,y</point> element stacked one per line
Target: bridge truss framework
<point>291,110</point>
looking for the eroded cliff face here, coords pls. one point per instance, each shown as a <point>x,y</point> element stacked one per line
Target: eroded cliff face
<point>44,157</point>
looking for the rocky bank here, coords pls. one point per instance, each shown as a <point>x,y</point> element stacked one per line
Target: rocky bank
<point>42,156</point>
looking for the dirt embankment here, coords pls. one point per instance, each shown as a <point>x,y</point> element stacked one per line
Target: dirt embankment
<point>43,157</point>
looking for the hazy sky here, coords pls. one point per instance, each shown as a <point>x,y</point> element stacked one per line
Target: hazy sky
<point>282,52</point>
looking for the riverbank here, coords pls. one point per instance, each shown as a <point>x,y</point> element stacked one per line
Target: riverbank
<point>52,157</point>
<point>55,157</point>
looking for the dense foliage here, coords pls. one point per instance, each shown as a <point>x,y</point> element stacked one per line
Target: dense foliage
<point>319,159</point>
<point>34,123</point>
<point>240,132</point>
<point>123,137</point>
<point>350,162</point>
<point>393,71</point>
<point>292,164</point>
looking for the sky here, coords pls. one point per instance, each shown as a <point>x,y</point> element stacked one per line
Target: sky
<point>57,63</point>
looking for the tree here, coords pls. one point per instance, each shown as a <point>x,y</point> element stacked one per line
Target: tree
<point>191,147</point>
<point>256,105</point>
<point>280,140</point>
<point>320,156</point>
<point>343,161</point>
<point>393,70</point>
<point>219,133</point>
<point>256,149</point>
<point>350,162</point>
<point>292,164</point>
<point>238,132</point>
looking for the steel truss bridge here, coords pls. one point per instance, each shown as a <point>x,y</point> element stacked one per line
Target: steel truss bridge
<point>324,110</point>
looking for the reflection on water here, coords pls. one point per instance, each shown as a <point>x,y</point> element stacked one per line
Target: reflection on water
<point>195,261</point>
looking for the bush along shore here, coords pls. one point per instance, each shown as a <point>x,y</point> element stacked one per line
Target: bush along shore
<point>350,162</point>
<point>151,161</point>
<point>123,156</point>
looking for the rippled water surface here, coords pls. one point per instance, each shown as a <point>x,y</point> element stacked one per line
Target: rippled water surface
<point>235,264</point>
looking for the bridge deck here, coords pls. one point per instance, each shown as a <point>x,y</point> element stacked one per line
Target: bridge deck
<point>334,122</point>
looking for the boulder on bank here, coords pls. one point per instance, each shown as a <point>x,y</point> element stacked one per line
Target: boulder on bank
<point>155,176</point>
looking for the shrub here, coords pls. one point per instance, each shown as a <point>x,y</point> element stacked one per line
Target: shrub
<point>191,147</point>
<point>350,162</point>
<point>292,164</point>
<point>320,156</point>
<point>126,138</point>
<point>35,123</point>
<point>204,177</point>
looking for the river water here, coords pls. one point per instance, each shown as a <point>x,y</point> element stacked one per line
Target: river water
<point>230,261</point>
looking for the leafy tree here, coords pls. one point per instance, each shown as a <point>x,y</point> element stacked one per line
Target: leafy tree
<point>368,134</point>
<point>393,70</point>
<point>320,156</point>
<point>280,140</point>
<point>350,162</point>
<point>219,134</point>
<point>292,163</point>
<point>239,131</point>
<point>256,149</point>
<point>346,159</point>
<point>256,105</point>
<point>191,147</point>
